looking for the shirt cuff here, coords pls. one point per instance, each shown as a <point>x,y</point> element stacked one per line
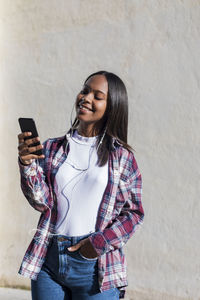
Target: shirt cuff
<point>27,169</point>
<point>99,243</point>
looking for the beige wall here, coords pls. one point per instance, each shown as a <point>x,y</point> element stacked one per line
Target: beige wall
<point>47,48</point>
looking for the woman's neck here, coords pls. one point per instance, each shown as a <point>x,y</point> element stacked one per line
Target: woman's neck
<point>87,131</point>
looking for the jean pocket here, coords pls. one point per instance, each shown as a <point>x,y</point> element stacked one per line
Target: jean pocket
<point>85,258</point>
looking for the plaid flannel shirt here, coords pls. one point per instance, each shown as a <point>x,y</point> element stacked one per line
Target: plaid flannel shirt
<point>119,214</point>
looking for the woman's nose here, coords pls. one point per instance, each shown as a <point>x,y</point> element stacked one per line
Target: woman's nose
<point>89,97</point>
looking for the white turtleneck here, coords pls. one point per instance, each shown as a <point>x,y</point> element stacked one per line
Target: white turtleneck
<point>79,184</point>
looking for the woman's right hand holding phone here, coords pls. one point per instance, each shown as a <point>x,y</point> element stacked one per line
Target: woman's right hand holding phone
<point>25,150</point>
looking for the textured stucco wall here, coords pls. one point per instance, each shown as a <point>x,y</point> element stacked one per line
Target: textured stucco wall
<point>47,48</point>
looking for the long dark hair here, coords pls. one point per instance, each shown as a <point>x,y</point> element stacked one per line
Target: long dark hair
<point>115,120</point>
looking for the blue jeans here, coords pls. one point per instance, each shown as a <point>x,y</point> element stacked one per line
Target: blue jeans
<point>68,275</point>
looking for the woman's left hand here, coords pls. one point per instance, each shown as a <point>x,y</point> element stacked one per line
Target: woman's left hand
<point>86,248</point>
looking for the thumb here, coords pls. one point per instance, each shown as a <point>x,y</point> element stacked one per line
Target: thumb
<point>74,248</point>
<point>77,246</point>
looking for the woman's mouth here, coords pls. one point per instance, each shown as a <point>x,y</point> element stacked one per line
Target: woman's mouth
<point>84,108</point>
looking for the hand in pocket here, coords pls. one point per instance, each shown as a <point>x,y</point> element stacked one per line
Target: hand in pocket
<point>86,249</point>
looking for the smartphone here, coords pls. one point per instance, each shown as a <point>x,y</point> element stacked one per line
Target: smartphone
<point>28,125</point>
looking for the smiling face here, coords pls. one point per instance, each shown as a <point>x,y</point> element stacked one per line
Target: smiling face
<point>91,102</point>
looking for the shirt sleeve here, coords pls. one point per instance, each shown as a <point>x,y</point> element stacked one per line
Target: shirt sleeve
<point>124,225</point>
<point>33,183</point>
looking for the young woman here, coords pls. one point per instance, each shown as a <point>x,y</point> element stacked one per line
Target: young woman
<point>87,186</point>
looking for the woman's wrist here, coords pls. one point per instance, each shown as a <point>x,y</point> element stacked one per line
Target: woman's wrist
<point>23,163</point>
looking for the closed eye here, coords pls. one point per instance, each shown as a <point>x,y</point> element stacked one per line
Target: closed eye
<point>85,91</point>
<point>98,95</point>
<point>99,98</point>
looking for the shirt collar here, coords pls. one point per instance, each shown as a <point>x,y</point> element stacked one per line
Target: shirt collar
<point>115,142</point>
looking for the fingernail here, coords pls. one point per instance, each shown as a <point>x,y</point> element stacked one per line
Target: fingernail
<point>69,248</point>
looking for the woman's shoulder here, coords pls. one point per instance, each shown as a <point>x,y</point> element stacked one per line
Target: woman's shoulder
<point>127,160</point>
<point>54,142</point>
<point>124,152</point>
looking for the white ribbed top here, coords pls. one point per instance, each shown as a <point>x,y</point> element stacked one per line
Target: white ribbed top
<point>79,186</point>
